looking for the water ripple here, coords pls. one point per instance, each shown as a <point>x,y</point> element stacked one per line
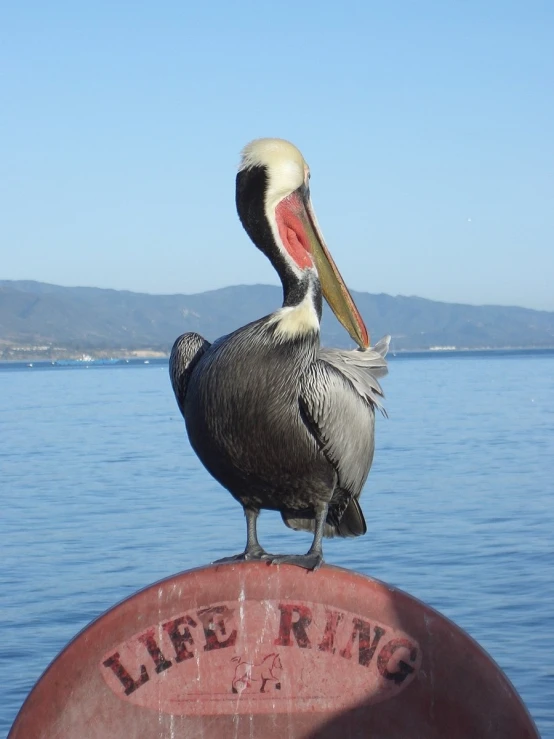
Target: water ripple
<point>102,495</point>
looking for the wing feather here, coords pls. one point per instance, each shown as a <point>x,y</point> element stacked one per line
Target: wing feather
<point>185,354</point>
<point>362,368</point>
<point>338,399</point>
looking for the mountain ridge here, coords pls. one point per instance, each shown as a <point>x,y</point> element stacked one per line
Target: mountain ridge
<point>68,320</point>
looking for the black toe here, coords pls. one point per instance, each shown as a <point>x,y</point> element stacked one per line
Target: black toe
<point>310,561</point>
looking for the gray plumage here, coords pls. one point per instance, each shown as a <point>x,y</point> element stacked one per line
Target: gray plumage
<point>278,421</point>
<point>186,352</point>
<point>282,425</point>
<point>338,395</point>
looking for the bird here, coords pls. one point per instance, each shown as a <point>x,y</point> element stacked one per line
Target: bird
<point>278,420</point>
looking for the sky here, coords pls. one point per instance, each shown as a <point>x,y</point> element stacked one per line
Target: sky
<point>428,128</point>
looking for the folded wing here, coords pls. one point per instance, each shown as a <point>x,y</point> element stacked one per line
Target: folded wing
<point>185,354</point>
<point>338,399</point>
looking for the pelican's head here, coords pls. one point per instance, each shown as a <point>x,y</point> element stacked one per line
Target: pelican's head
<point>273,203</point>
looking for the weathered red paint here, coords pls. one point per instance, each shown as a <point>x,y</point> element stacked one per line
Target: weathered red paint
<point>294,638</point>
<point>251,650</point>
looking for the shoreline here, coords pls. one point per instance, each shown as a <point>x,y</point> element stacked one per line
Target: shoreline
<point>104,358</point>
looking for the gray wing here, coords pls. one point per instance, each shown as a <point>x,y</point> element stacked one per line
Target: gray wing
<point>185,354</point>
<point>338,398</point>
<point>362,369</point>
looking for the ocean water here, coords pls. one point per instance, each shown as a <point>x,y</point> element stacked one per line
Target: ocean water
<point>101,495</point>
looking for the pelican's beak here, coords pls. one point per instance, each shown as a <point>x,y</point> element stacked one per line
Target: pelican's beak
<point>333,287</point>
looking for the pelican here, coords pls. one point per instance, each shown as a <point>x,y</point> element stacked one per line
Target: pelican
<point>280,422</point>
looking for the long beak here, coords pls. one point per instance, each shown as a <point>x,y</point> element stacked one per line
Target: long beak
<point>333,287</point>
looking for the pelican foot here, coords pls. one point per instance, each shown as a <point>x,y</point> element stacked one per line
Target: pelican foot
<point>310,561</point>
<point>246,556</point>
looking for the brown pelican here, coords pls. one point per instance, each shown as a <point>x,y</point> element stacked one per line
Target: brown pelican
<point>280,422</point>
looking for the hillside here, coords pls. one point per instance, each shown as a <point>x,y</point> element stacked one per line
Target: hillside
<point>45,320</point>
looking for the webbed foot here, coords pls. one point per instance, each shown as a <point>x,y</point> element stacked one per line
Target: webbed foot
<point>309,561</point>
<point>254,553</point>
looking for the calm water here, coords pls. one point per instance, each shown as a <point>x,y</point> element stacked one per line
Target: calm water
<point>100,497</point>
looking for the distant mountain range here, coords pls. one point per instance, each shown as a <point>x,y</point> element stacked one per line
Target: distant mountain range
<point>42,320</point>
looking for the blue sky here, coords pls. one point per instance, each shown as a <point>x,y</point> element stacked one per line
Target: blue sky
<point>428,127</point>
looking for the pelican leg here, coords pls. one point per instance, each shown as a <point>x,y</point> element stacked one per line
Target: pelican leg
<point>313,559</point>
<point>253,549</point>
